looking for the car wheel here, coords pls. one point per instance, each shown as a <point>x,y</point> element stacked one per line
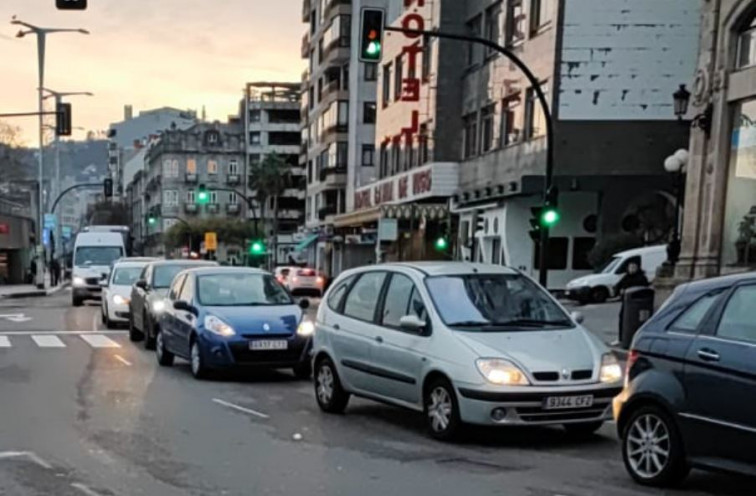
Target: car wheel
<point>149,333</point>
<point>77,302</point>
<point>199,369</point>
<point>652,448</point>
<point>134,335</point>
<point>303,371</point>
<point>164,357</point>
<point>109,323</point>
<point>441,410</point>
<point>103,315</point>
<point>330,395</point>
<point>583,430</point>
<point>599,294</point>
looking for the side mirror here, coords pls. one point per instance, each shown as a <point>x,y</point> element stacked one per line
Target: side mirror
<point>304,303</point>
<point>577,317</point>
<point>186,307</point>
<point>141,283</point>
<point>104,283</point>
<point>412,323</point>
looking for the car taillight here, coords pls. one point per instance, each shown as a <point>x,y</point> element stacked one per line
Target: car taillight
<point>320,280</point>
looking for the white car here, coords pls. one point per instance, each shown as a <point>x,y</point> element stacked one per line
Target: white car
<point>116,290</point>
<point>463,344</point>
<point>304,281</point>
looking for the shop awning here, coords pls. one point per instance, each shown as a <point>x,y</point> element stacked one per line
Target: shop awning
<point>358,218</point>
<point>416,211</point>
<point>306,243</point>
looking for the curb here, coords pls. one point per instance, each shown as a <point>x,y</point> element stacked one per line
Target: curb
<point>35,293</point>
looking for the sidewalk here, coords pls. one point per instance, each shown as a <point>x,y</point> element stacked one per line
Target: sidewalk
<point>30,290</point>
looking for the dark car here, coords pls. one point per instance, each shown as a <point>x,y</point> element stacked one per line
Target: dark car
<point>690,396</point>
<point>221,318</point>
<point>147,300</point>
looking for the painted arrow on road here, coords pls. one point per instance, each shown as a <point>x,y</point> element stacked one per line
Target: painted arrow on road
<point>16,317</point>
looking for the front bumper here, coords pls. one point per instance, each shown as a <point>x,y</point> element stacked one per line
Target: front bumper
<point>118,313</point>
<point>526,406</point>
<point>582,293</point>
<point>224,353</point>
<point>87,292</point>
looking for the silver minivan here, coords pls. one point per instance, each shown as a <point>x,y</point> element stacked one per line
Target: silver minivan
<point>462,343</point>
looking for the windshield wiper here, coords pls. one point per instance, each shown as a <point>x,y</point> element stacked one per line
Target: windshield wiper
<point>472,323</point>
<point>535,323</point>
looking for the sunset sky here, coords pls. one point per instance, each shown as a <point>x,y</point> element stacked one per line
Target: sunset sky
<point>148,53</point>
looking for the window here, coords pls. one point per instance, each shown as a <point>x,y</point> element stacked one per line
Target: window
<point>190,197</point>
<point>187,292</point>
<point>233,167</point>
<point>255,158</point>
<point>386,84</point>
<point>384,166</point>
<point>692,317</point>
<point>213,138</point>
<point>473,49</point>
<point>368,155</point>
<point>254,115</point>
<point>170,197</point>
<point>362,299</point>
<point>397,301</point>
<point>368,113</point>
<point>487,128</point>
<point>535,121</point>
<point>233,198</point>
<point>496,251</point>
<point>470,135</point>
<point>170,168</point>
<point>398,75</point>
<point>212,167</point>
<point>514,29</point>
<point>424,155</point>
<point>558,248</point>
<point>191,166</point>
<point>581,248</point>
<point>426,62</point>
<point>213,197</point>
<point>173,294</point>
<point>738,322</point>
<point>492,30</point>
<point>254,138</point>
<point>337,295</point>
<point>541,12</point>
<point>509,132</point>
<point>371,71</point>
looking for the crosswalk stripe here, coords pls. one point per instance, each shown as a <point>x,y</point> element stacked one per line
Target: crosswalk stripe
<point>48,341</point>
<point>100,341</point>
<point>4,342</point>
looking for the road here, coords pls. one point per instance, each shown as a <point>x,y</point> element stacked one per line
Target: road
<point>85,412</point>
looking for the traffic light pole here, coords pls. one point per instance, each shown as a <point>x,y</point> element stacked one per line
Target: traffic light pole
<point>248,200</point>
<point>536,85</point>
<point>75,186</point>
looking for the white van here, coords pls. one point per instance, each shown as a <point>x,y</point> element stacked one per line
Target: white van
<point>94,254</point>
<point>597,288</point>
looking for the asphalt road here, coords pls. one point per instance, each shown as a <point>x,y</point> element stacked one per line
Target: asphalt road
<point>85,412</point>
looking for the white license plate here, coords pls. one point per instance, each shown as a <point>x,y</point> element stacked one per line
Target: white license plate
<point>267,344</point>
<point>565,402</point>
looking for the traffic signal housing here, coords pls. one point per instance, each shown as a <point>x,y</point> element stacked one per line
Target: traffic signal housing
<point>257,248</point>
<point>371,34</point>
<point>550,215</point>
<point>535,224</point>
<point>63,119</point>
<point>203,197</point>
<point>71,4</point>
<point>151,220</point>
<point>442,241</point>
<point>107,187</point>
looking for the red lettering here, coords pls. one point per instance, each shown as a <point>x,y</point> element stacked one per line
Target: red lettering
<point>414,126</point>
<point>422,182</point>
<point>362,200</point>
<point>403,187</point>
<point>413,22</point>
<point>410,90</point>
<point>412,51</point>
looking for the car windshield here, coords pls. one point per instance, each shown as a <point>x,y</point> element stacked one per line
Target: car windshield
<point>97,255</point>
<point>483,302</point>
<point>224,290</point>
<point>611,265</point>
<point>164,274</point>
<point>126,276</point>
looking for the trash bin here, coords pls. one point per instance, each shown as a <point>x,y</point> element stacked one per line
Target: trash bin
<point>637,307</point>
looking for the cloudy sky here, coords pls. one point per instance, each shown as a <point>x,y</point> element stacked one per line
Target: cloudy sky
<point>149,53</point>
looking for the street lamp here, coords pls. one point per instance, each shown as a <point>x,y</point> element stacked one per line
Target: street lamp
<point>701,121</point>
<point>41,34</point>
<point>675,164</point>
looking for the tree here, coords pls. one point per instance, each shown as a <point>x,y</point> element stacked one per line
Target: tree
<point>229,232</point>
<point>268,180</point>
<point>16,162</point>
<point>107,213</point>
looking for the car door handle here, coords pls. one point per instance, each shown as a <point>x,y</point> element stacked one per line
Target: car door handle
<point>708,355</point>
<point>379,339</point>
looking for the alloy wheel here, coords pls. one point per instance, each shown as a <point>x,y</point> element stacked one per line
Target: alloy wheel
<point>648,446</point>
<point>325,384</point>
<point>196,360</point>
<point>440,409</point>
<point>159,345</point>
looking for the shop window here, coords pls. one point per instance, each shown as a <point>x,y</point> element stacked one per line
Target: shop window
<point>558,250</point>
<point>580,250</point>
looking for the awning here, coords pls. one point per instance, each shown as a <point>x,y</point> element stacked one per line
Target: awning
<point>416,211</point>
<point>306,243</point>
<point>357,218</point>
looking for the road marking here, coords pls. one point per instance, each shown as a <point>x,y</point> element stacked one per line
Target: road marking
<point>56,333</point>
<point>4,342</point>
<point>15,317</point>
<point>99,341</point>
<point>28,454</point>
<point>122,360</point>
<point>84,489</point>
<point>240,408</point>
<point>46,341</point>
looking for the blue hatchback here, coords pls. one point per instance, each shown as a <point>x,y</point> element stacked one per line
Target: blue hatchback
<point>221,318</point>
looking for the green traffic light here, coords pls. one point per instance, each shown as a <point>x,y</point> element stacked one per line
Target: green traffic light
<point>257,248</point>
<point>550,217</point>
<point>373,49</point>
<point>152,221</point>
<point>203,197</point>
<point>442,244</point>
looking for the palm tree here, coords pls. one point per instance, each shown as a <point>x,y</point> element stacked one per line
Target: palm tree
<point>268,179</point>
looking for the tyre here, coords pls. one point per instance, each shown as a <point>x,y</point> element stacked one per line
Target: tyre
<point>77,302</point>
<point>103,317</point>
<point>599,294</point>
<point>199,369</point>
<point>164,357</point>
<point>303,371</point>
<point>652,448</point>
<point>583,430</point>
<point>150,331</point>
<point>441,410</point>
<point>330,395</point>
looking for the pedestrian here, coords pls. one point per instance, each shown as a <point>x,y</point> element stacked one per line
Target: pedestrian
<point>33,271</point>
<point>633,278</point>
<point>54,272</point>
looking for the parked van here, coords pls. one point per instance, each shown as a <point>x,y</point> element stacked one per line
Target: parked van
<point>94,254</point>
<point>597,288</point>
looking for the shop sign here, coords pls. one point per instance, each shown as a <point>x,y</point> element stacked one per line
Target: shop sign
<point>4,228</point>
<point>424,182</point>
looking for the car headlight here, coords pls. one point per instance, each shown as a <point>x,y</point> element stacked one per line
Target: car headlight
<point>501,372</point>
<point>120,300</point>
<point>79,281</point>
<point>306,328</point>
<point>158,306</point>
<point>610,369</point>
<point>217,326</point>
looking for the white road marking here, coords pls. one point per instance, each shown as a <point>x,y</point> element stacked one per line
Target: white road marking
<point>20,319</point>
<point>47,341</point>
<point>84,489</point>
<point>28,454</point>
<point>99,341</point>
<point>4,342</point>
<point>240,408</point>
<point>56,333</point>
<point>122,360</point>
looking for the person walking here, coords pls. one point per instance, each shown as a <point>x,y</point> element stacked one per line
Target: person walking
<point>54,272</point>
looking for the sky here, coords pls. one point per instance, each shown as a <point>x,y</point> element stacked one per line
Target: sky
<point>148,53</point>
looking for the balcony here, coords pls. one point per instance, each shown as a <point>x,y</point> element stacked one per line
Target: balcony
<point>306,11</point>
<point>190,208</point>
<point>306,46</point>
<point>233,208</point>
<point>213,208</point>
<point>190,178</point>
<point>333,176</point>
<point>326,211</point>
<point>333,4</point>
<point>233,179</point>
<point>337,53</point>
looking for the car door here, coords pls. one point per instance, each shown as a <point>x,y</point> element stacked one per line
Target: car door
<point>353,331</point>
<point>169,319</point>
<point>184,321</point>
<point>400,354</point>
<point>720,380</point>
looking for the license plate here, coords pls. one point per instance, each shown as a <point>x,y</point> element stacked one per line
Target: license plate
<point>266,344</point>
<point>565,402</point>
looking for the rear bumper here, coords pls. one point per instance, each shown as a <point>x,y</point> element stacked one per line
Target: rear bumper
<point>582,293</point>
<point>87,292</point>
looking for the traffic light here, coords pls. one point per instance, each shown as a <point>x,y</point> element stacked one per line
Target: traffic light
<point>107,186</point>
<point>535,224</point>
<point>203,197</point>
<point>257,248</point>
<point>371,35</point>
<point>71,4</point>
<point>151,220</point>
<point>442,242</point>
<point>550,215</point>
<point>63,119</point>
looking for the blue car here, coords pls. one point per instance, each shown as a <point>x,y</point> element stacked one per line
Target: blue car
<point>222,318</point>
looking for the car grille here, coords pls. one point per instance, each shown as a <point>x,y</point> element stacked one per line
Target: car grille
<point>581,375</point>
<point>538,414</point>
<point>576,375</point>
<point>92,281</point>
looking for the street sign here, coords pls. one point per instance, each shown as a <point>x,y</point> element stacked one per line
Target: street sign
<point>66,231</point>
<point>211,241</point>
<point>388,229</point>
<point>50,221</point>
<point>46,237</point>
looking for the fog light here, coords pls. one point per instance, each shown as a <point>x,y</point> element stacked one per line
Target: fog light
<point>498,414</point>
